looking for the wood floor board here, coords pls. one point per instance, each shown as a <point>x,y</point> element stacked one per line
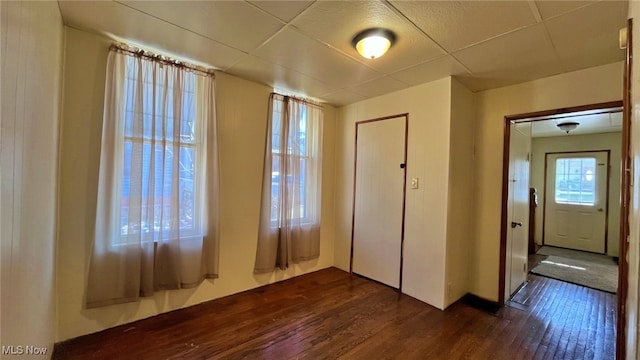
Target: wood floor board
<point>332,315</point>
<point>523,326</point>
<point>551,336</point>
<point>536,330</point>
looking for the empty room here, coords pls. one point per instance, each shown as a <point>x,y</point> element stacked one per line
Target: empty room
<point>319,179</point>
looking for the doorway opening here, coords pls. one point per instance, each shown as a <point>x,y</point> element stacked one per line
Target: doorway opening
<point>579,185</point>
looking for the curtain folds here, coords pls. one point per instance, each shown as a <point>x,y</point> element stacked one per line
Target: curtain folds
<point>157,216</point>
<point>289,229</point>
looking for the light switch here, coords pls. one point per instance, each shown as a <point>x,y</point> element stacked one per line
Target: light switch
<point>414,183</point>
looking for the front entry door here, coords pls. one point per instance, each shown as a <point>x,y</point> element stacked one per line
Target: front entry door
<point>379,199</point>
<point>576,200</point>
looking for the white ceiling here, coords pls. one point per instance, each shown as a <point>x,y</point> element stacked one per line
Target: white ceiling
<point>305,46</point>
<point>589,124</point>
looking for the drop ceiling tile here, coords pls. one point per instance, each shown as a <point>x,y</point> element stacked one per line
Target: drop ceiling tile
<point>477,83</point>
<point>296,51</point>
<point>126,24</point>
<point>430,71</point>
<point>280,77</point>
<point>383,85</point>
<point>589,36</point>
<point>342,97</point>
<point>234,23</point>
<point>552,8</point>
<point>284,10</point>
<point>321,21</point>
<point>458,24</point>
<point>519,56</point>
<point>615,119</point>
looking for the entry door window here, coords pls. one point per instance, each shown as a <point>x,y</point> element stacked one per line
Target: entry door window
<point>575,181</point>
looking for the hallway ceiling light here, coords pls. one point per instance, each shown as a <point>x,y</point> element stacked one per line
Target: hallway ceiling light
<point>373,43</point>
<point>568,126</point>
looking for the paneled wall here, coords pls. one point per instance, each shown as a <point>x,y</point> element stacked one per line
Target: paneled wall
<point>31,48</point>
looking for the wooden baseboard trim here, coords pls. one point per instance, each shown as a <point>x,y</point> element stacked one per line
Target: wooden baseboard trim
<point>488,306</point>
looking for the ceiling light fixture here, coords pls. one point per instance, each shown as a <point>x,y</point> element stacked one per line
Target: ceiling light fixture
<point>373,43</point>
<point>568,126</point>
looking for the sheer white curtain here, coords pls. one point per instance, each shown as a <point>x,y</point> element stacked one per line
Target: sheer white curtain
<point>157,216</point>
<point>290,212</point>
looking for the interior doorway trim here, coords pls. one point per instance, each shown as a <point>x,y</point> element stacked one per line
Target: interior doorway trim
<point>624,193</point>
<point>531,117</point>
<point>625,197</point>
<point>404,187</point>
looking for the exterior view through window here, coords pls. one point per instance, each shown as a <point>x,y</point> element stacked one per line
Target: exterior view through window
<point>298,157</point>
<point>575,181</point>
<point>158,148</point>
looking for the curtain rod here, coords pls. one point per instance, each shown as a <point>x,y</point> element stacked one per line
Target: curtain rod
<point>163,59</point>
<point>298,99</point>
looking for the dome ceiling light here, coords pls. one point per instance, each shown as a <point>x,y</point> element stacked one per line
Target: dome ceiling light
<point>373,43</point>
<point>568,126</point>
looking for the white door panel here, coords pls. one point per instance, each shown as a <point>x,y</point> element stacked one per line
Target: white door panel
<point>518,208</point>
<point>575,201</point>
<point>561,226</point>
<point>379,198</point>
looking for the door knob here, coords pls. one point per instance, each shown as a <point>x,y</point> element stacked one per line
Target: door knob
<point>514,224</point>
<point>600,210</point>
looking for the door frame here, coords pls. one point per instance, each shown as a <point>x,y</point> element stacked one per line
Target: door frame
<point>625,177</point>
<point>625,198</point>
<point>598,108</point>
<point>608,184</point>
<point>404,187</point>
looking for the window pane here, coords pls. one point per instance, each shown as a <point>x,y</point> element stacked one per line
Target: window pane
<point>157,193</point>
<point>275,186</point>
<point>187,127</point>
<point>302,185</point>
<point>276,131</point>
<point>302,133</point>
<point>186,184</point>
<point>575,181</point>
<point>297,157</point>
<point>157,116</point>
<point>126,185</point>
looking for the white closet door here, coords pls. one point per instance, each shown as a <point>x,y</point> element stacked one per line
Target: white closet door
<point>379,200</point>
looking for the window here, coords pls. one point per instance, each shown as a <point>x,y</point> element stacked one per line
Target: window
<point>575,181</point>
<point>157,215</point>
<point>295,148</point>
<point>289,230</point>
<point>161,146</point>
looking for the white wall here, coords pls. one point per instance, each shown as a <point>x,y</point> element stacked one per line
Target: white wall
<point>242,118</point>
<point>460,218</point>
<point>605,141</point>
<point>429,111</point>
<point>31,45</point>
<point>589,86</point>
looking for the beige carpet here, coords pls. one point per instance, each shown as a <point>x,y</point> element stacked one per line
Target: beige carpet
<point>586,269</point>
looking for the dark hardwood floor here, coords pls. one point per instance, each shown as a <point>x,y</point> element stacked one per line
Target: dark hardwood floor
<point>329,314</point>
